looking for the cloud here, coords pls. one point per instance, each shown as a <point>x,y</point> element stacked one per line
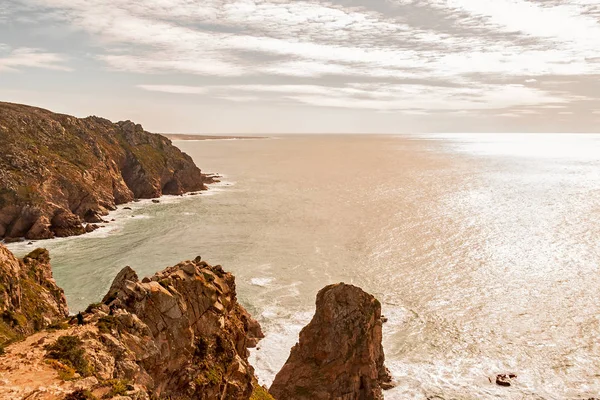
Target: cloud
<point>177,89</point>
<point>472,43</point>
<point>12,60</point>
<point>408,97</point>
<point>311,38</point>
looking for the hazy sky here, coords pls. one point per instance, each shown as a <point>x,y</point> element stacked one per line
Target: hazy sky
<point>265,66</point>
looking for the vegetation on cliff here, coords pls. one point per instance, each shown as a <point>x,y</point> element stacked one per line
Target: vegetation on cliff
<point>58,172</point>
<point>180,334</point>
<point>30,300</point>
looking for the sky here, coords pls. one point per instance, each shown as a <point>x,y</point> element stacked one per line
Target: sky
<point>314,66</point>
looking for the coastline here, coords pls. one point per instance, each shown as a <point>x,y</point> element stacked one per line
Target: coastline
<point>117,218</point>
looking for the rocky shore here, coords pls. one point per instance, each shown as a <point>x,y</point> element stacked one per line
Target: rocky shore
<point>180,334</point>
<point>59,175</point>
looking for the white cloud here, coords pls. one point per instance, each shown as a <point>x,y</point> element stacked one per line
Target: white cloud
<point>409,97</point>
<point>177,89</point>
<point>25,57</point>
<point>477,41</point>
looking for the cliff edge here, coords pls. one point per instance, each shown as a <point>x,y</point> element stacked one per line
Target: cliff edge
<point>180,334</point>
<point>30,300</point>
<point>58,172</point>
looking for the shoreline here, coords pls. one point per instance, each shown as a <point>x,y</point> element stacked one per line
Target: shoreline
<point>116,218</point>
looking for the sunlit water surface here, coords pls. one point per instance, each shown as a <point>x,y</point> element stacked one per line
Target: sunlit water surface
<point>484,250</point>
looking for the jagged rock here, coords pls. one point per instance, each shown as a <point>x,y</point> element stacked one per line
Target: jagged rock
<point>58,171</point>
<point>124,276</point>
<point>91,228</point>
<point>339,354</point>
<point>29,297</point>
<point>179,333</point>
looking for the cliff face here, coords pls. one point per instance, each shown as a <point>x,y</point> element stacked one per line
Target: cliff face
<point>30,300</point>
<point>184,333</point>
<point>57,171</point>
<point>180,334</point>
<point>339,354</point>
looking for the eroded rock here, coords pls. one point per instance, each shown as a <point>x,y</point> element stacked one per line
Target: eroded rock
<point>30,300</point>
<point>339,354</point>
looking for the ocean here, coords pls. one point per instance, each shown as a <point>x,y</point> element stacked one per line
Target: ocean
<point>482,248</point>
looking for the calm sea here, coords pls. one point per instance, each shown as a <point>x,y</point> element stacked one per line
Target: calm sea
<point>483,249</point>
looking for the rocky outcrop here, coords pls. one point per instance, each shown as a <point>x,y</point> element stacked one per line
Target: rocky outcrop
<point>59,172</point>
<point>339,354</point>
<point>30,300</point>
<point>180,334</point>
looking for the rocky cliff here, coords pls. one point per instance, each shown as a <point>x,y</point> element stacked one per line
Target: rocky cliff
<point>339,354</point>
<point>180,334</point>
<point>58,172</point>
<point>30,300</point>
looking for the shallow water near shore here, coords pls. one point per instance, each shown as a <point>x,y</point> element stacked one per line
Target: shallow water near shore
<point>482,249</point>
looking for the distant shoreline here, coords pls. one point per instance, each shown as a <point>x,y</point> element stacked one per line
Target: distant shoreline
<point>177,136</point>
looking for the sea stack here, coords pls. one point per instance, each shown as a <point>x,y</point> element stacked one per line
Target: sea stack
<point>339,354</point>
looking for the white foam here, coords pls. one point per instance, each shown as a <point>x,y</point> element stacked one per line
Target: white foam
<point>262,282</point>
<point>281,333</point>
<point>121,216</point>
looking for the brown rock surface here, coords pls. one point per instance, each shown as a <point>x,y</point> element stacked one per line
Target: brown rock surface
<point>339,354</point>
<point>57,171</point>
<point>30,300</point>
<point>180,334</point>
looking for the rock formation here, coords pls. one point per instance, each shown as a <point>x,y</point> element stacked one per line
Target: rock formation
<point>59,172</point>
<point>30,300</point>
<point>339,354</point>
<point>180,334</point>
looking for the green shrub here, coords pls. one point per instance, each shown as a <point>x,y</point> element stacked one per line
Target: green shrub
<point>260,393</point>
<point>106,324</point>
<point>56,326</point>
<point>65,372</point>
<point>69,351</point>
<point>92,306</point>
<point>13,319</point>
<point>118,388</point>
